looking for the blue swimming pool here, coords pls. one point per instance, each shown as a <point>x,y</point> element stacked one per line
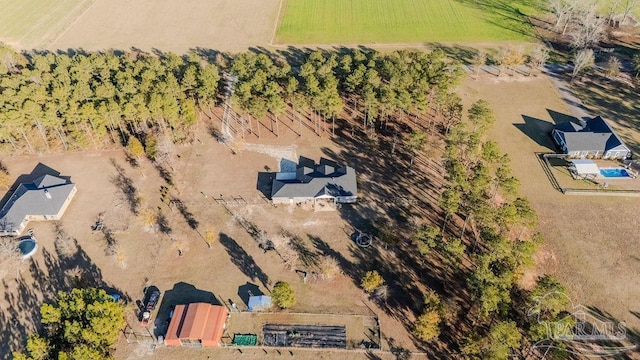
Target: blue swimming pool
<point>28,247</point>
<point>614,172</point>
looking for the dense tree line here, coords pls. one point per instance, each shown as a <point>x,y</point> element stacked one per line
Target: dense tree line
<point>483,192</point>
<point>87,100</point>
<point>61,101</point>
<point>376,86</point>
<point>93,100</point>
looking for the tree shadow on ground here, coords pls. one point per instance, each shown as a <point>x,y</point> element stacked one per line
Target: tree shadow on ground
<point>308,257</point>
<point>185,213</point>
<point>394,193</point>
<point>243,261</point>
<point>126,187</point>
<point>22,316</point>
<point>506,14</point>
<point>615,101</point>
<point>164,173</point>
<point>464,54</point>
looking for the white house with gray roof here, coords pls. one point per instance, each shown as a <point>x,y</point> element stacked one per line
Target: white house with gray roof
<point>591,138</point>
<point>46,198</point>
<point>311,182</point>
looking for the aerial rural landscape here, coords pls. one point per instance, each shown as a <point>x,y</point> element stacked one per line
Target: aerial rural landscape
<point>319,179</point>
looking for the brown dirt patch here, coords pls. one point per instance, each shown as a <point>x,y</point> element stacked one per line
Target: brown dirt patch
<point>203,172</point>
<point>172,25</point>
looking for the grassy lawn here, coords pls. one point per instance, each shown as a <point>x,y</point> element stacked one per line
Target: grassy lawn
<point>368,21</point>
<point>590,241</point>
<point>31,23</point>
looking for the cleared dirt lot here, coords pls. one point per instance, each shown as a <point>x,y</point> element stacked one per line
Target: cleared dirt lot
<point>591,242</point>
<point>203,172</point>
<point>172,25</point>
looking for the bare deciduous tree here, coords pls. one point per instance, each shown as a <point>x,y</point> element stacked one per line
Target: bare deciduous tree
<point>10,61</point>
<point>166,151</point>
<point>10,259</point>
<point>564,11</point>
<point>582,60</point>
<point>538,58</point>
<point>629,5</point>
<point>117,218</point>
<point>75,274</point>
<point>149,219</point>
<point>479,60</point>
<point>120,256</point>
<point>500,59</point>
<point>285,250</point>
<point>5,179</point>
<point>181,245</point>
<point>64,244</point>
<point>381,293</point>
<point>589,28</point>
<point>615,4</point>
<point>329,268</point>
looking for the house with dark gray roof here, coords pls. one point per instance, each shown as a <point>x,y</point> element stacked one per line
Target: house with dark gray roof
<point>311,182</point>
<point>591,138</point>
<point>45,198</point>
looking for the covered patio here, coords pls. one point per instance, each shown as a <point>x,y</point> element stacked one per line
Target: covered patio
<point>583,169</point>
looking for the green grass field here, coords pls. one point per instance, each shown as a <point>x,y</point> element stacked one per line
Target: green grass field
<point>32,23</point>
<point>403,21</point>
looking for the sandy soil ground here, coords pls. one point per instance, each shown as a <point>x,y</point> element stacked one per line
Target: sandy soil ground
<point>591,242</point>
<point>172,25</point>
<point>177,260</point>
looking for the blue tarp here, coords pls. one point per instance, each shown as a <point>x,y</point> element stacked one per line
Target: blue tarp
<point>259,302</point>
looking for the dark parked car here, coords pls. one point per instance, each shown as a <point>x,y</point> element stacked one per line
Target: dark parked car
<point>152,300</point>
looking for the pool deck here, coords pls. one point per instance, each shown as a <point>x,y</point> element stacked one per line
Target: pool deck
<point>566,182</point>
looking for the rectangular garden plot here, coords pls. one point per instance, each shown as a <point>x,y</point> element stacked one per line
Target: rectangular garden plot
<point>307,336</point>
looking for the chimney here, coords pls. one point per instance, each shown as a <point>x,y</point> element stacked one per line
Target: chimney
<point>46,193</point>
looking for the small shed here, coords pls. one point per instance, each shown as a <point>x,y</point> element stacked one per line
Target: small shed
<point>257,303</point>
<point>584,168</point>
<point>197,325</point>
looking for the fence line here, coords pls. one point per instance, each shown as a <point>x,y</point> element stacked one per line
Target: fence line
<point>546,166</point>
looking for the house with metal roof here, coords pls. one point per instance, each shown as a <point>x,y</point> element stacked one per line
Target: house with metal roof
<point>197,325</point>
<point>311,182</point>
<point>46,198</point>
<point>591,138</point>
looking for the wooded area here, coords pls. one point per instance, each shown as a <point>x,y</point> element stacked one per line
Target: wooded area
<point>110,99</point>
<point>96,100</point>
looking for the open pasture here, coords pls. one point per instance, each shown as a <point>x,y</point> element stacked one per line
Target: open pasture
<point>403,21</point>
<point>33,23</point>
